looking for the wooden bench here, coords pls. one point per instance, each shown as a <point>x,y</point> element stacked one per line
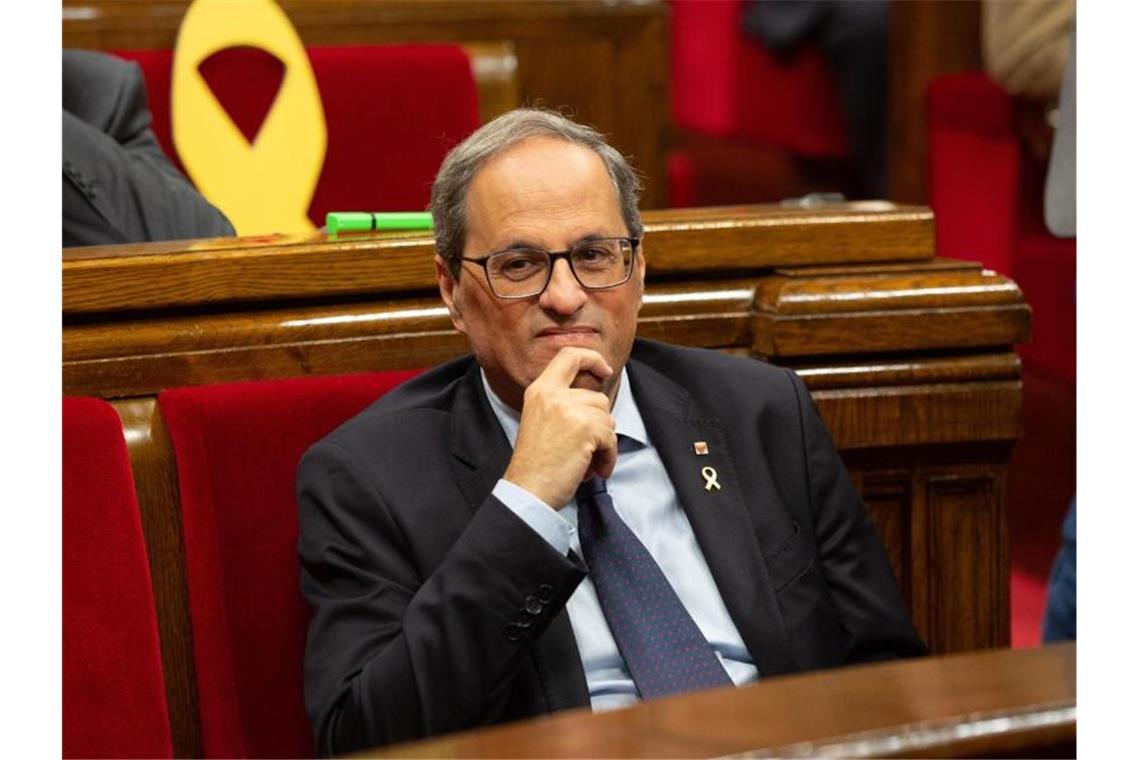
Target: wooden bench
<point>908,356</point>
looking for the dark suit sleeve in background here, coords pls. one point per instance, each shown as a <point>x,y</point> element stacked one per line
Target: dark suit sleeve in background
<point>118,185</point>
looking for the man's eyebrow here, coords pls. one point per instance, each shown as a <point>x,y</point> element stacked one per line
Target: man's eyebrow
<point>524,244</point>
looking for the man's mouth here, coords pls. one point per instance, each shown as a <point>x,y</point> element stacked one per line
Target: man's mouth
<point>569,336</point>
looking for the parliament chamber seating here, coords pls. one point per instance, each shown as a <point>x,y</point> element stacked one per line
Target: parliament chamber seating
<point>987,191</point>
<point>392,113</point>
<point>114,698</point>
<point>237,447</point>
<point>909,357</point>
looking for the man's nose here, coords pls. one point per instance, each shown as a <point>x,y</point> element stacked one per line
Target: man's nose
<point>563,294</point>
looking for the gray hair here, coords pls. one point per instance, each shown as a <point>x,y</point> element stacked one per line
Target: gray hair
<point>449,192</point>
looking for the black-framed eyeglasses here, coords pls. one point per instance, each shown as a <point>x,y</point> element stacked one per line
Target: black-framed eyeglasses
<point>525,272</point>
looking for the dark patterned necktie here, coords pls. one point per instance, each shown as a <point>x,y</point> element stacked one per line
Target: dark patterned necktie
<point>661,645</point>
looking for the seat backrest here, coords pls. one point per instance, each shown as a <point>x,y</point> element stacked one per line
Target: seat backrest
<point>237,447</point>
<point>974,170</point>
<point>114,698</point>
<point>392,112</point>
<point>725,84</point>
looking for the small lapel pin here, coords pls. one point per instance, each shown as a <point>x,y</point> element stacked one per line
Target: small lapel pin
<point>701,448</point>
<point>709,474</point>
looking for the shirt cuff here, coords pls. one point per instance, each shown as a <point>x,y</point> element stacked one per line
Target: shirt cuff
<point>536,513</point>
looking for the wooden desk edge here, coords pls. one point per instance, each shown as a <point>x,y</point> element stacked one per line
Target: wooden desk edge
<point>1011,699</point>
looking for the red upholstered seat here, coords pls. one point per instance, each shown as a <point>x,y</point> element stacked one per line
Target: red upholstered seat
<point>392,112</point>
<point>114,701</point>
<point>727,85</point>
<point>237,447</point>
<point>751,114</point>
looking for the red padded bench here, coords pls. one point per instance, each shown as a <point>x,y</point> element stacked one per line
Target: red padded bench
<point>237,447</point>
<point>114,699</point>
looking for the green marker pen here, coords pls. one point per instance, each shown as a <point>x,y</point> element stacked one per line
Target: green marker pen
<point>366,221</point>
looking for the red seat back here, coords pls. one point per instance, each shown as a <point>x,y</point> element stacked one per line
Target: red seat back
<point>726,85</point>
<point>974,170</point>
<point>392,113</point>
<point>237,447</point>
<point>114,700</point>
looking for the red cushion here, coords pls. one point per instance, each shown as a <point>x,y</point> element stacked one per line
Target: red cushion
<point>727,85</point>
<point>1046,272</point>
<point>392,113</point>
<point>974,170</point>
<point>114,701</point>
<point>237,447</point>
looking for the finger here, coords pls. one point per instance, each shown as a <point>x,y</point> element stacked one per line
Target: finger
<point>604,459</point>
<point>571,360</point>
<point>591,399</point>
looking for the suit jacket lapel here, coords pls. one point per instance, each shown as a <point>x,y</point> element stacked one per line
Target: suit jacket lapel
<point>481,452</point>
<point>719,517</point>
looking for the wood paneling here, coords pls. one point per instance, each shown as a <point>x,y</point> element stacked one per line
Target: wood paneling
<point>605,61</point>
<point>988,704</point>
<point>965,520</point>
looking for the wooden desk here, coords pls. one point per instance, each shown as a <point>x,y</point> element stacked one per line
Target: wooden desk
<point>999,703</point>
<point>908,356</point>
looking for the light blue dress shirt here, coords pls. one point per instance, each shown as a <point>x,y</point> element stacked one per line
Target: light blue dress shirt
<point>644,497</point>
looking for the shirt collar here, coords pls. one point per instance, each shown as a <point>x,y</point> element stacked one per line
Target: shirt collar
<point>625,412</point>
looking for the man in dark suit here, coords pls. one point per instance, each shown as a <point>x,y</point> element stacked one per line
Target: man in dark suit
<point>118,185</point>
<point>571,517</point>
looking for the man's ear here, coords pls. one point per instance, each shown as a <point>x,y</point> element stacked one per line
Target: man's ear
<point>447,288</point>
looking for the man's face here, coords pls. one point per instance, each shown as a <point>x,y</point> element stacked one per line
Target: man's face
<point>541,193</point>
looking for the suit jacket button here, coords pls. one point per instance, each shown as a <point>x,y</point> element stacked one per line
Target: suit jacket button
<point>514,632</point>
<point>532,606</point>
<point>545,593</point>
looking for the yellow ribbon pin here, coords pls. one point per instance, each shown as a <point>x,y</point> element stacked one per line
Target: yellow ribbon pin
<point>709,475</point>
<point>265,187</point>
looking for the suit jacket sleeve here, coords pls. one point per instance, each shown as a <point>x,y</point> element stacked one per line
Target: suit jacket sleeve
<point>404,643</point>
<point>118,184</point>
<point>852,559</point>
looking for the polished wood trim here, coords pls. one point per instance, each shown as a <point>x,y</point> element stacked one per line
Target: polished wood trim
<point>938,304</point>
<point>770,236</point>
<point>209,272</point>
<point>913,415</point>
<point>918,370</point>
<point>156,485</point>
<point>145,355</point>
<point>982,703</point>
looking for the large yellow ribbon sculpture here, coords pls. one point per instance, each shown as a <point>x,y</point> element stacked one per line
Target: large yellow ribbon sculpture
<point>267,186</point>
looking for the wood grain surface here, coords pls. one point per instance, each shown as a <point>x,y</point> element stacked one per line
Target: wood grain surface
<point>1000,702</point>
<point>99,279</point>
